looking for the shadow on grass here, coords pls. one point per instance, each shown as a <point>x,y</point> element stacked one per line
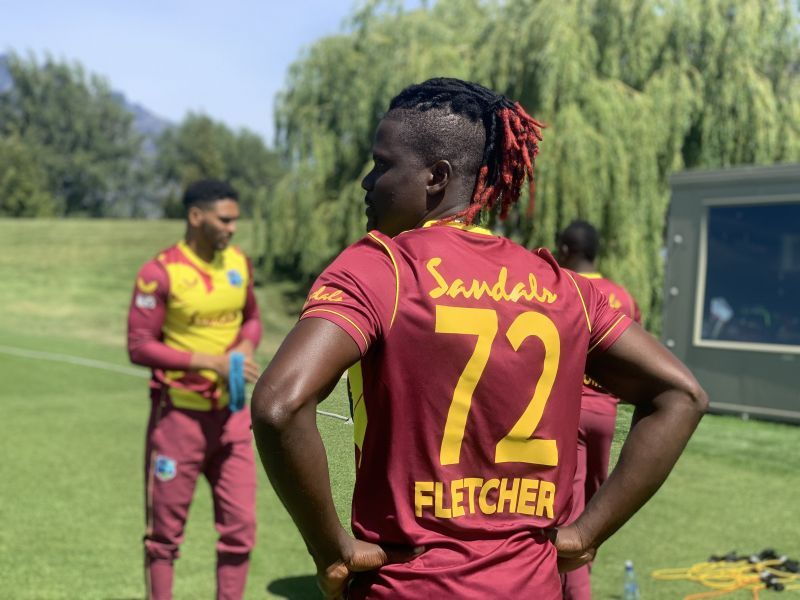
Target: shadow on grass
<point>296,588</point>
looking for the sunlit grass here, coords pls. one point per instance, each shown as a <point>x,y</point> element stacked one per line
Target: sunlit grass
<point>72,442</point>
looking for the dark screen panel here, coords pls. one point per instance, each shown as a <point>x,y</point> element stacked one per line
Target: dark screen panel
<point>752,287</point>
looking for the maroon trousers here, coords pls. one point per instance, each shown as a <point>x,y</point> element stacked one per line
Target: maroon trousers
<point>595,432</point>
<point>182,444</point>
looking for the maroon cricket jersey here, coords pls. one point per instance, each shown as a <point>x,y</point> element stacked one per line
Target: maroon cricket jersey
<point>465,404</point>
<point>595,398</point>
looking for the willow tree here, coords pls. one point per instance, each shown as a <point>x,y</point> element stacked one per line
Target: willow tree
<point>630,90</point>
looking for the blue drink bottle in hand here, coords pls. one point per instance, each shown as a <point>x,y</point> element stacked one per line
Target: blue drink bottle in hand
<point>236,382</point>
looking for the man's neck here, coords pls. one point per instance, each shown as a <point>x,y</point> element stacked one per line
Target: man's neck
<point>202,250</point>
<point>580,265</point>
<point>442,211</point>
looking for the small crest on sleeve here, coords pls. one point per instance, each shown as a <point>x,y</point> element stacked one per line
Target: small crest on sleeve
<point>146,287</point>
<point>145,301</point>
<point>613,301</point>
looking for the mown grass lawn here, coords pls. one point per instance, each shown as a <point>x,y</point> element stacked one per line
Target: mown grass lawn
<point>72,443</point>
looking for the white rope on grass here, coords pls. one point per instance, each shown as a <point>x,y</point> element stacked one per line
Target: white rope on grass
<point>75,360</point>
<point>324,413</point>
<point>107,366</point>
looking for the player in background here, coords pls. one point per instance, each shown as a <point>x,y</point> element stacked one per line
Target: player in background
<point>192,306</point>
<point>576,249</point>
<point>466,354</point>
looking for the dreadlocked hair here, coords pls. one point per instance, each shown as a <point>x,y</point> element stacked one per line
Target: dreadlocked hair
<point>512,137</point>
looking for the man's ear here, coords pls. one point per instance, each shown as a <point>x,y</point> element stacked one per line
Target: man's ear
<point>195,216</point>
<point>441,174</point>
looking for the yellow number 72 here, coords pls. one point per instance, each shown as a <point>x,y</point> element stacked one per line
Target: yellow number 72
<point>518,445</point>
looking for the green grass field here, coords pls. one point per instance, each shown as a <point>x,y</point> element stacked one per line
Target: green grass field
<point>72,443</point>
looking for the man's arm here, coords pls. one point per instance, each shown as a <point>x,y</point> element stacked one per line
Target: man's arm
<point>250,332</point>
<point>669,404</point>
<point>306,368</point>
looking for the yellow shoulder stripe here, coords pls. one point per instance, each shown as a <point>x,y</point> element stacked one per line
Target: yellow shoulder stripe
<point>583,303</point>
<point>338,314</point>
<point>396,275</point>
<point>597,343</point>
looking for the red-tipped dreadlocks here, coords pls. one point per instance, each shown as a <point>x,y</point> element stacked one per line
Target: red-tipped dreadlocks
<point>512,138</point>
<point>517,153</point>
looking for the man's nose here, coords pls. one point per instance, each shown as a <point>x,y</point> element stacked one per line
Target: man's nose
<point>366,183</point>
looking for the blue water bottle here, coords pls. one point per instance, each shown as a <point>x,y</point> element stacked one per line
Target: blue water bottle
<point>630,590</point>
<point>236,382</point>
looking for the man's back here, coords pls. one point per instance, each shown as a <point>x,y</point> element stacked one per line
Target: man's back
<point>465,403</point>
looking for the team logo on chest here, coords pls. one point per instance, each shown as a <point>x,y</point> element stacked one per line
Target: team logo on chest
<point>235,278</point>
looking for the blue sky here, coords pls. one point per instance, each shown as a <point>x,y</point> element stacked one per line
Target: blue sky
<point>225,59</point>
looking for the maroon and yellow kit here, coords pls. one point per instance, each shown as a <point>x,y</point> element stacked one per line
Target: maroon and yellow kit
<point>182,305</point>
<point>595,398</point>
<point>465,403</point>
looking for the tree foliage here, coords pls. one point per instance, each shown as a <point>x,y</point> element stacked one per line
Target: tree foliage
<point>22,190</point>
<point>68,148</point>
<point>78,141</point>
<point>630,90</point>
<point>200,148</point>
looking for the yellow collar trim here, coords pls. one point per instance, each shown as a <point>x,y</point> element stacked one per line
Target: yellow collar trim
<point>591,275</point>
<point>458,225</point>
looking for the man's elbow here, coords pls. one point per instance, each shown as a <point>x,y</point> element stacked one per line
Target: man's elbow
<point>696,397</point>
<point>699,398</point>
<point>136,356</point>
<point>272,409</point>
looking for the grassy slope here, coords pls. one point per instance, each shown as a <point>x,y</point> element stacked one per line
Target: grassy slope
<point>72,438</point>
<point>72,442</point>
<point>74,278</point>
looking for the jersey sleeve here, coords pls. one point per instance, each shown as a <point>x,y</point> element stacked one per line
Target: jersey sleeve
<point>637,313</point>
<point>146,315</point>
<point>251,317</point>
<point>605,323</point>
<point>358,292</point>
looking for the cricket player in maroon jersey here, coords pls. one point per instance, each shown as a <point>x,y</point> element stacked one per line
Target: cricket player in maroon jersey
<point>192,306</point>
<point>577,247</point>
<point>466,355</point>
